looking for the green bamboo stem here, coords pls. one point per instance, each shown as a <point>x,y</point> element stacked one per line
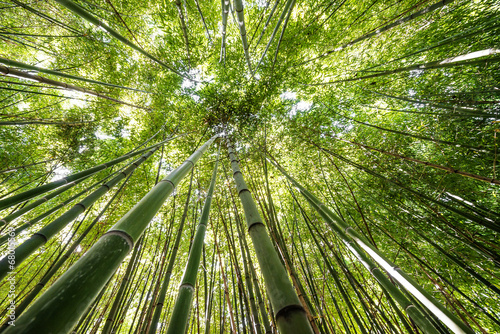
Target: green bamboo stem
<point>31,206</point>
<point>203,20</point>
<point>238,6</point>
<point>168,273</point>
<point>5,203</point>
<point>487,26</point>
<point>60,307</point>
<point>276,28</point>
<point>425,66</point>
<point>419,13</point>
<point>24,166</point>
<point>479,220</point>
<point>180,314</point>
<point>11,72</point>
<point>355,241</point>
<point>455,108</point>
<point>288,311</point>
<point>23,251</point>
<point>248,282</point>
<point>47,213</point>
<point>436,141</point>
<point>110,319</point>
<point>225,12</point>
<point>226,289</point>
<point>290,10</point>
<point>56,266</point>
<point>267,23</point>
<point>81,12</point>
<point>184,29</point>
<point>15,63</point>
<point>426,163</point>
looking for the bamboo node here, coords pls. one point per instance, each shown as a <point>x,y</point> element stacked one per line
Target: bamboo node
<point>287,310</point>
<point>253,224</point>
<point>124,235</point>
<point>407,307</point>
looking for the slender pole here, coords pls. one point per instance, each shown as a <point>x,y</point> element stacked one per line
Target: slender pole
<point>11,72</point>
<point>180,314</point>
<point>166,280</point>
<point>356,242</point>
<point>61,306</point>
<point>26,195</point>
<point>23,251</point>
<point>288,311</point>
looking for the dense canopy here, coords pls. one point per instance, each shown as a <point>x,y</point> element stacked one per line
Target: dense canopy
<point>365,131</point>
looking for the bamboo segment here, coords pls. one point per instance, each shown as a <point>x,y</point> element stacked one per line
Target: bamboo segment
<point>424,11</point>
<point>14,63</point>
<point>13,200</point>
<point>225,11</point>
<point>238,6</point>
<point>182,306</point>
<point>47,213</point>
<point>31,206</point>
<point>166,280</point>
<point>92,19</point>
<point>7,71</point>
<point>276,28</point>
<point>41,237</point>
<point>184,29</point>
<point>355,242</point>
<point>288,312</point>
<point>53,270</point>
<point>425,66</point>
<point>60,307</point>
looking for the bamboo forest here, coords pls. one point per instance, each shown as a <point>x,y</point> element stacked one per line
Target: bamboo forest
<point>250,166</point>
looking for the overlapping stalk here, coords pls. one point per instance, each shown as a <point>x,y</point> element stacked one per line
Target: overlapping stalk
<point>357,244</point>
<point>94,20</point>
<point>276,28</point>
<point>50,211</point>
<point>14,63</point>
<point>184,29</point>
<point>170,266</point>
<point>267,23</point>
<point>288,311</point>
<point>55,267</point>
<point>60,307</point>
<point>182,306</point>
<point>26,195</point>
<point>378,31</point>
<point>225,11</point>
<point>11,72</point>
<point>31,206</point>
<point>238,6</point>
<point>41,237</point>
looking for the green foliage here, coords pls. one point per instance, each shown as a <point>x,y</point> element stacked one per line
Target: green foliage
<point>334,138</point>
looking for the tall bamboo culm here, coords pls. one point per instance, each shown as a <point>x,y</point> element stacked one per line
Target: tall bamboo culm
<point>26,195</point>
<point>289,314</point>
<point>357,243</point>
<point>61,306</point>
<point>180,314</point>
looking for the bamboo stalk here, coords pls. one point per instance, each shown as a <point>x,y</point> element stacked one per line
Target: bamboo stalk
<point>15,63</point>
<point>81,12</point>
<point>5,203</point>
<point>238,6</point>
<point>289,313</point>
<point>180,314</point>
<point>166,280</point>
<point>8,71</point>
<point>23,251</point>
<point>353,238</point>
<point>60,307</point>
